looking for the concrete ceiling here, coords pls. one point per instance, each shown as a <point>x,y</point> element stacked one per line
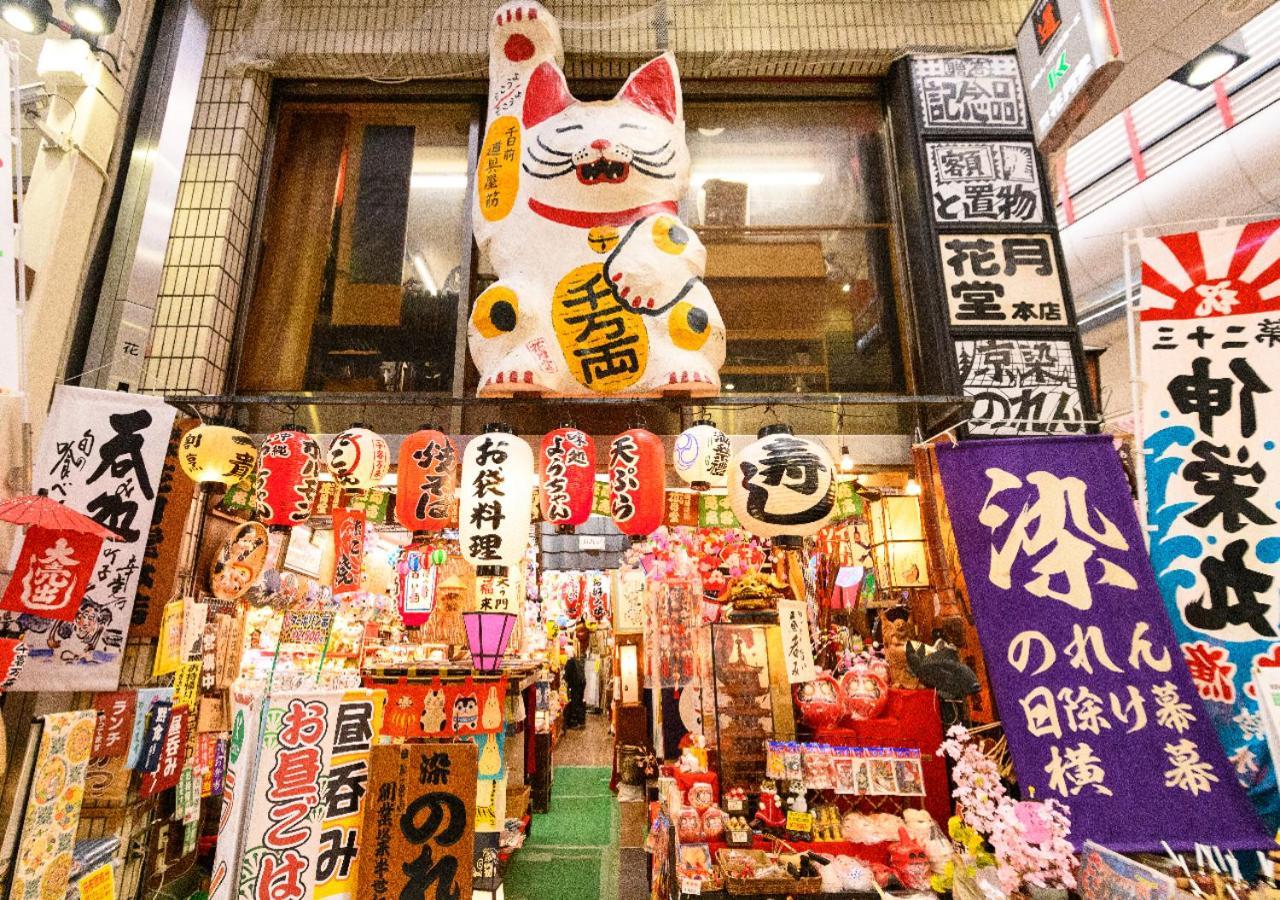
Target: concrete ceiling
<point>1157,37</point>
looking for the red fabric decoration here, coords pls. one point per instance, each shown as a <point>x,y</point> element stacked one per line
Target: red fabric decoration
<point>566,476</point>
<point>637,481</point>
<point>426,480</point>
<point>348,549</point>
<point>441,710</point>
<point>53,572</point>
<point>546,95</point>
<point>287,478</point>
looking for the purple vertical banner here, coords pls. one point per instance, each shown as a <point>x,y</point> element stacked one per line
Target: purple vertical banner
<point>1100,711</point>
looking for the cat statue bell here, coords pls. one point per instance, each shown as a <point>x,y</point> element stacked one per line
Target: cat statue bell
<point>599,286</point>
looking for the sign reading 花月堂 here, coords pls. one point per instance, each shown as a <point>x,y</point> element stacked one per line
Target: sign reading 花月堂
<point>1068,54</point>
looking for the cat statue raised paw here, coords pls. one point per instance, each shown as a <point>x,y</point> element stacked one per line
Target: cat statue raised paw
<point>599,286</point>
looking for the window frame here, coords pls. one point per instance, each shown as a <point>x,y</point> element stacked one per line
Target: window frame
<point>474,93</point>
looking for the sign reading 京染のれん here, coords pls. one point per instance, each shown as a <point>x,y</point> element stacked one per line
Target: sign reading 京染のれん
<point>101,453</point>
<point>1080,652</point>
<point>1210,353</point>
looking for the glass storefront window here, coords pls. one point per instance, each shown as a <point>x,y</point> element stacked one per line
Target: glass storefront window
<point>363,233</point>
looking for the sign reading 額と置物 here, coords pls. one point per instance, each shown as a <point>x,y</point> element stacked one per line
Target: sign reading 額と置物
<point>979,181</point>
<point>1080,652</point>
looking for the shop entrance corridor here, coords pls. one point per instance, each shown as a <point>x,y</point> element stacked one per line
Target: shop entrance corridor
<point>572,851</point>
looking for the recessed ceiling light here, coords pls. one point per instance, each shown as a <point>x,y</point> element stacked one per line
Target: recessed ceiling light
<point>1208,67</point>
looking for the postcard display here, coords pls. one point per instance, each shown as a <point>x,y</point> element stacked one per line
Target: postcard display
<point>983,252</point>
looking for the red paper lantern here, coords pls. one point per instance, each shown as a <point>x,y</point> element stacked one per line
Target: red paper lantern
<point>426,480</point>
<point>566,476</point>
<point>287,478</point>
<point>637,482</point>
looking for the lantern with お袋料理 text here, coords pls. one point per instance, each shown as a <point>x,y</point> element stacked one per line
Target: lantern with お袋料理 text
<point>495,500</point>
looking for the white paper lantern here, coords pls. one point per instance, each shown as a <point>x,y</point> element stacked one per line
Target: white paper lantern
<point>358,458</point>
<point>701,456</point>
<point>495,500</point>
<point>782,486</point>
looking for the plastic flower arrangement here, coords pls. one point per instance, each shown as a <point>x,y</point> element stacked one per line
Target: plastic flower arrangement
<point>1028,838</point>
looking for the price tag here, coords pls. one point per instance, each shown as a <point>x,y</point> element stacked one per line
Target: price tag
<point>100,884</point>
<point>739,837</point>
<point>799,821</point>
<point>691,886</point>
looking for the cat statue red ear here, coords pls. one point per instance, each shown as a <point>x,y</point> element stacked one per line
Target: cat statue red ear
<point>599,286</point>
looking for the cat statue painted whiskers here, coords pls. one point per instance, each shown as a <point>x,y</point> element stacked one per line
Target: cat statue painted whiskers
<point>599,285</point>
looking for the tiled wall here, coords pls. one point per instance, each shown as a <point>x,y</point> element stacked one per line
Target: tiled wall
<point>254,41</point>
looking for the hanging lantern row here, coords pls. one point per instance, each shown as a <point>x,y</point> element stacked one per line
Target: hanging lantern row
<point>780,486</point>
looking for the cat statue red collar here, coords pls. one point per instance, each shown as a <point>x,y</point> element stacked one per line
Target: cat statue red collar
<point>599,286</point>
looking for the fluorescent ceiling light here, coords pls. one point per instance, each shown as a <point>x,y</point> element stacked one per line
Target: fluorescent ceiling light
<point>444,181</point>
<point>778,177</point>
<point>424,274</point>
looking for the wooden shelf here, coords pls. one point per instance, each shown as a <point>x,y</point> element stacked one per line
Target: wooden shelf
<point>774,370</point>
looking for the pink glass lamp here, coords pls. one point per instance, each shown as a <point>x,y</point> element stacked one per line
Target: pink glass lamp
<point>487,636</point>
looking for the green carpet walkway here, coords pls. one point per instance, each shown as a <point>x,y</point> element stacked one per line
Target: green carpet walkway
<point>573,851</point>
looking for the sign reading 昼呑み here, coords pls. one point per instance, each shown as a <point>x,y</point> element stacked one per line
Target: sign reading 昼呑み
<point>1210,354</point>
<point>1081,655</point>
<point>101,453</point>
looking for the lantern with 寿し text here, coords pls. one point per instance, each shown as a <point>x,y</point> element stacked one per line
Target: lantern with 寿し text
<point>782,486</point>
<point>566,477</point>
<point>495,500</point>
<point>358,458</point>
<point>897,542</point>
<point>426,480</point>
<point>701,456</point>
<point>216,454</point>
<point>637,482</point>
<point>287,478</point>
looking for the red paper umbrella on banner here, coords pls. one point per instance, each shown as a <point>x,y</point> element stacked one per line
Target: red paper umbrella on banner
<point>287,477</point>
<point>637,482</point>
<point>426,481</point>
<point>55,563</point>
<point>43,511</point>
<point>566,477</point>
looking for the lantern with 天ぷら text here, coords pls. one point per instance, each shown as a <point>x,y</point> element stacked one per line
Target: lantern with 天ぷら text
<point>637,482</point>
<point>358,458</point>
<point>426,480</point>
<point>701,456</point>
<point>287,478</point>
<point>495,500</point>
<point>782,486</point>
<point>216,454</point>
<point>566,477</point>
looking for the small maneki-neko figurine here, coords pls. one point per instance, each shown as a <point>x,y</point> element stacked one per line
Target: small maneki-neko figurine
<point>769,811</point>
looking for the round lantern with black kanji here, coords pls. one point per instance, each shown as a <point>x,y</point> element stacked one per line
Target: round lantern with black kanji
<point>701,456</point>
<point>782,486</point>
<point>358,458</point>
<point>216,454</point>
<point>495,500</point>
<point>637,482</point>
<point>566,477</point>
<point>286,478</point>
<point>426,481</point>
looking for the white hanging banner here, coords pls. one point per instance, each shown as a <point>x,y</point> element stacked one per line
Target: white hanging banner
<point>797,647</point>
<point>101,453</point>
<point>10,345</point>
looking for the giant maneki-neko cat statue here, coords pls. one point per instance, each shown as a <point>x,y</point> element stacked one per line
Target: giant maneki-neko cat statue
<point>599,285</point>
